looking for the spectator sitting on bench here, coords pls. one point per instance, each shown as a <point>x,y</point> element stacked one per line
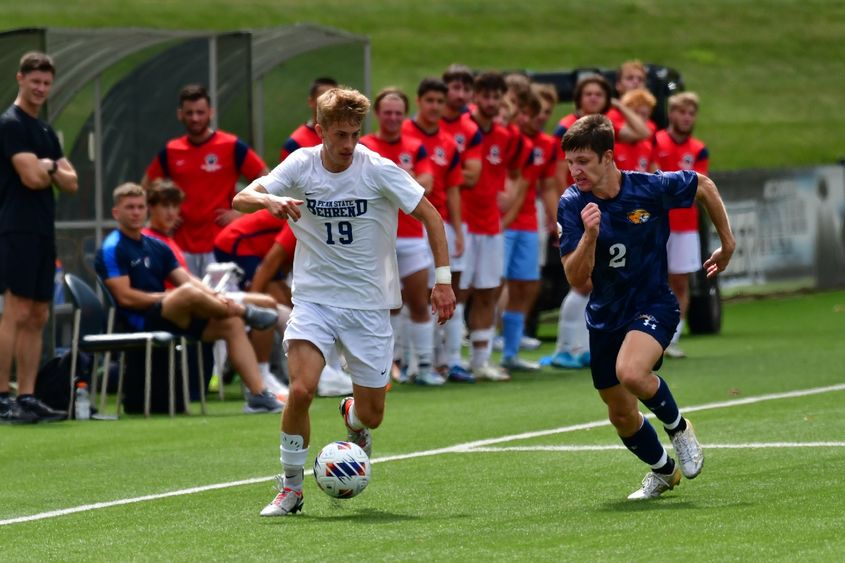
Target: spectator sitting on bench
<point>135,267</point>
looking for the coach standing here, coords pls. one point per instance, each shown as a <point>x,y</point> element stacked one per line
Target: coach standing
<point>32,163</point>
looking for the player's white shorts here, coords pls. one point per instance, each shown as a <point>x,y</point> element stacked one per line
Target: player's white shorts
<point>456,262</point>
<point>485,261</point>
<point>542,232</point>
<point>364,337</point>
<point>684,252</point>
<point>412,255</point>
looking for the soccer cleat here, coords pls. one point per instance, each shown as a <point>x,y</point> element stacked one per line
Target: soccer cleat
<point>274,386</point>
<point>30,409</point>
<point>565,360</point>
<point>260,318</point>
<point>518,364</point>
<point>286,502</point>
<point>429,377</point>
<point>263,402</point>
<point>459,374</point>
<point>585,359</point>
<point>655,484</point>
<point>690,454</point>
<point>530,343</point>
<point>10,414</point>
<point>491,373</point>
<point>674,351</point>
<point>498,343</point>
<point>361,437</point>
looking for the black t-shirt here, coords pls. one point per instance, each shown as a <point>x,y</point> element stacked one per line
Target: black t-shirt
<point>23,209</point>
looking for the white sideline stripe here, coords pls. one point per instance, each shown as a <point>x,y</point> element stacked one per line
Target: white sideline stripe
<point>599,448</point>
<point>465,447</point>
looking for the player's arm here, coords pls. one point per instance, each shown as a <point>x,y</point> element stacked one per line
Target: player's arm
<point>255,197</point>
<point>635,128</point>
<point>268,268</point>
<point>515,190</point>
<point>550,195</point>
<point>33,171</point>
<point>442,296</point>
<point>453,204</point>
<point>65,177</point>
<point>471,171</point>
<point>426,180</point>
<point>129,297</point>
<point>578,265</point>
<point>708,195</point>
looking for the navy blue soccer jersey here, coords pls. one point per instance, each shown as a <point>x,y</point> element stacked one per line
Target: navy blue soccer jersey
<point>630,272</point>
<point>148,262</point>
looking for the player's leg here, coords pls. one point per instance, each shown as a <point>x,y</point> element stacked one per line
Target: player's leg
<point>572,350</point>
<point>262,343</point>
<point>522,270</point>
<point>485,278</point>
<point>683,251</point>
<point>415,293</point>
<point>455,327</point>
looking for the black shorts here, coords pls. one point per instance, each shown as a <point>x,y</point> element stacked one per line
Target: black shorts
<point>154,321</point>
<point>28,265</point>
<point>659,322</point>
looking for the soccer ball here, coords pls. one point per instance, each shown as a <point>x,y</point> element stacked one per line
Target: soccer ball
<point>342,470</point>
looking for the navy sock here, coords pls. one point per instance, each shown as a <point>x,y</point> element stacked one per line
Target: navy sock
<point>645,444</point>
<point>664,407</point>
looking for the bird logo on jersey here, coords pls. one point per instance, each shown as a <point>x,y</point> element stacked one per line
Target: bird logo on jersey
<point>406,161</point>
<point>639,216</point>
<point>211,163</point>
<point>494,157</point>
<point>439,157</point>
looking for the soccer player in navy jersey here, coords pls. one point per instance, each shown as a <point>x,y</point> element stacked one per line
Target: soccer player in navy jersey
<point>614,231</point>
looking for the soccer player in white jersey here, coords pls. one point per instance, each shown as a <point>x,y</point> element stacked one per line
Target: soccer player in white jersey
<point>342,200</point>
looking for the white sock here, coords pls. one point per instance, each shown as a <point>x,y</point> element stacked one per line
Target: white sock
<point>294,454</point>
<point>678,330</point>
<point>454,335</point>
<point>572,334</point>
<point>264,368</point>
<point>397,323</point>
<point>422,341</point>
<point>480,353</point>
<point>352,420</point>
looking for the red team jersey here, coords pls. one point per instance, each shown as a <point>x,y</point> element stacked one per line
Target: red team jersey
<point>304,136</point>
<point>250,235</point>
<point>635,157</point>
<point>466,134</point>
<point>618,121</point>
<point>543,166</point>
<point>444,160</point>
<point>670,156</point>
<point>207,173</point>
<point>410,155</point>
<point>500,151</point>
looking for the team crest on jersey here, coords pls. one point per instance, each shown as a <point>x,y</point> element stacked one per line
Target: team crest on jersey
<point>406,161</point>
<point>537,156</point>
<point>494,157</point>
<point>460,140</point>
<point>439,157</point>
<point>211,163</point>
<point>687,160</point>
<point>642,165</point>
<point>639,216</point>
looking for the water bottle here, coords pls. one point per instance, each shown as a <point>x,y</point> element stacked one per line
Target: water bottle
<point>82,408</point>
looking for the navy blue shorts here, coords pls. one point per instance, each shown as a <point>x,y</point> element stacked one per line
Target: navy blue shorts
<point>660,323</point>
<point>154,321</point>
<point>28,265</point>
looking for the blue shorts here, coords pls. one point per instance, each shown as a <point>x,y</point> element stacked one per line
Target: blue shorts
<point>660,323</point>
<point>522,256</point>
<point>247,263</point>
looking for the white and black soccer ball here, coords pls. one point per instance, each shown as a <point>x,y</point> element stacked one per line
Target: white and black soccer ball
<point>342,470</point>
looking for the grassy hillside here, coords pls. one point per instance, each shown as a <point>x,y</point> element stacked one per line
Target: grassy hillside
<point>771,73</point>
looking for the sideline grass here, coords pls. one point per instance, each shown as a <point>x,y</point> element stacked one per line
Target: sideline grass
<point>781,504</point>
<point>770,73</point>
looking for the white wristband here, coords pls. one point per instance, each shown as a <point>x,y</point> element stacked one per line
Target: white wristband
<point>443,275</point>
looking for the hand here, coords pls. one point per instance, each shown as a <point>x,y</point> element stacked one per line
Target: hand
<point>225,216</point>
<point>459,244</point>
<point>442,302</point>
<point>284,207</point>
<point>591,217</point>
<point>717,262</point>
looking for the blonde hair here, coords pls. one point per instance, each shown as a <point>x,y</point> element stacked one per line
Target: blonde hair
<point>639,97</point>
<point>633,64</point>
<point>128,189</point>
<point>342,105</point>
<point>682,100</point>
<point>546,91</point>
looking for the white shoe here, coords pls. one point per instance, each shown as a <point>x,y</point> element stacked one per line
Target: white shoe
<point>275,386</point>
<point>518,364</point>
<point>690,454</point>
<point>429,377</point>
<point>655,484</point>
<point>286,502</point>
<point>674,351</point>
<point>491,373</point>
<point>530,343</point>
<point>499,343</point>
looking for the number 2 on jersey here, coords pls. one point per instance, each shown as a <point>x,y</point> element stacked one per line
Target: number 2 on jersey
<point>344,230</point>
<point>617,255</point>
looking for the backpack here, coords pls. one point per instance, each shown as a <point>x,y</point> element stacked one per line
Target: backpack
<point>52,385</point>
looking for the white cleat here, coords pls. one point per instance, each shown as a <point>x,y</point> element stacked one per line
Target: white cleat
<point>286,502</point>
<point>674,351</point>
<point>655,484</point>
<point>490,373</point>
<point>689,452</point>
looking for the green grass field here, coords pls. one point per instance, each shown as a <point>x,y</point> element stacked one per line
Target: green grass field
<point>527,470</point>
<point>770,73</point>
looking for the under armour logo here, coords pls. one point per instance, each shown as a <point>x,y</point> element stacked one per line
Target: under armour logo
<point>649,321</point>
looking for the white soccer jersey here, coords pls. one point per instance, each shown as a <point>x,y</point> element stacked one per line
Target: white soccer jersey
<point>346,238</point>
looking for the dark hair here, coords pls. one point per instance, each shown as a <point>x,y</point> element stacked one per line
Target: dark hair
<point>593,79</point>
<point>592,132</point>
<point>319,83</point>
<point>192,93</point>
<point>164,191</point>
<point>431,84</point>
<point>458,72</point>
<point>490,81</point>
<point>391,91</point>
<point>36,61</point>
